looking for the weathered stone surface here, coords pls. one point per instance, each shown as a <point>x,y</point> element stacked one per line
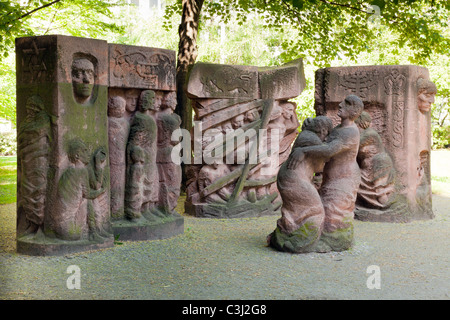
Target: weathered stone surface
<point>207,80</point>
<point>282,82</point>
<point>94,128</point>
<point>63,167</point>
<point>236,106</point>
<point>145,181</point>
<point>398,99</point>
<point>141,67</point>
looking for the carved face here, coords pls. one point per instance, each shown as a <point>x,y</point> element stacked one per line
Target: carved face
<point>343,111</point>
<point>170,100</point>
<point>237,121</point>
<point>288,110</point>
<point>350,108</point>
<point>426,93</point>
<point>78,152</point>
<point>116,107</point>
<point>147,100</point>
<point>82,78</point>
<point>425,100</point>
<point>250,116</point>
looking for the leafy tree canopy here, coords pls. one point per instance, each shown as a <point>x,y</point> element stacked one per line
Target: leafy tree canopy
<point>84,18</point>
<point>329,29</point>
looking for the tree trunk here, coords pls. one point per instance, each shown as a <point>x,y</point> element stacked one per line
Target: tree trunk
<point>187,54</point>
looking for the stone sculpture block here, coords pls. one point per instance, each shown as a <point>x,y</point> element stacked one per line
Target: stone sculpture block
<point>95,122</point>
<point>145,182</point>
<point>243,132</point>
<point>63,165</point>
<point>397,99</point>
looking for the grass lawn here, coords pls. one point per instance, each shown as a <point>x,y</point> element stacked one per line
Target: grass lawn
<point>440,175</point>
<point>8,176</point>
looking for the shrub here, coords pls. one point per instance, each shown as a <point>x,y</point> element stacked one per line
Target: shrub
<point>8,144</point>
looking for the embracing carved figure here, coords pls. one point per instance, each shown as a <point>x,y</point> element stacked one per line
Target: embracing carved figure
<point>341,177</point>
<point>302,212</point>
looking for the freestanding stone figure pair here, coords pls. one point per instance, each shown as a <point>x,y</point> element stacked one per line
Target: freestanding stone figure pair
<point>320,220</point>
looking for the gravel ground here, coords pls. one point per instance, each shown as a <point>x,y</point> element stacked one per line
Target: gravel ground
<point>229,259</point>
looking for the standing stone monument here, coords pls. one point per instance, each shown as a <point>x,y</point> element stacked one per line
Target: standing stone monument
<point>63,165</point>
<point>145,183</point>
<point>395,137</point>
<point>94,126</point>
<point>244,127</point>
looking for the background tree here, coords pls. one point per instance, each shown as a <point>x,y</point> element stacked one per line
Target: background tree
<point>325,30</point>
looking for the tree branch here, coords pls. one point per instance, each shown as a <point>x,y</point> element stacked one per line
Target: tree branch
<point>345,6</point>
<point>37,9</point>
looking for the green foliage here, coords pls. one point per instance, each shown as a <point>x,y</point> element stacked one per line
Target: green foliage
<point>8,89</point>
<point>326,30</point>
<point>83,18</point>
<point>8,144</point>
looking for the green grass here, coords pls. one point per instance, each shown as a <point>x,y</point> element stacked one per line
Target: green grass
<point>8,179</point>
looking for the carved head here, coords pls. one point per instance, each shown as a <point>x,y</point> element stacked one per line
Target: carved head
<point>288,110</point>
<point>321,125</point>
<point>251,115</point>
<point>170,100</point>
<point>147,100</point>
<point>77,151</point>
<point>83,78</point>
<point>237,121</point>
<point>116,106</point>
<point>364,120</point>
<point>426,91</point>
<point>350,108</point>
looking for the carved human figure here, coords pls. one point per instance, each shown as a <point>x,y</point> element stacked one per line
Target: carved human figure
<point>377,168</point>
<point>209,174</point>
<point>302,211</point>
<point>33,138</point>
<point>289,116</point>
<point>426,91</point>
<point>341,175</point>
<point>251,116</point>
<point>76,185</point>
<point>237,121</point>
<point>143,135</point>
<point>170,174</point>
<point>83,78</point>
<point>118,131</point>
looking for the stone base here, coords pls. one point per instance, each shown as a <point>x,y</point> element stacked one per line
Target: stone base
<point>45,246</point>
<point>400,211</point>
<point>307,239</point>
<point>241,209</point>
<point>143,229</point>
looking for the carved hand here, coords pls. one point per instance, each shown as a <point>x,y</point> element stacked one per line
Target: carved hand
<point>295,158</point>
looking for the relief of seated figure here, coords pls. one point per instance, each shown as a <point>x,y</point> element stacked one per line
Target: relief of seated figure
<point>377,171</point>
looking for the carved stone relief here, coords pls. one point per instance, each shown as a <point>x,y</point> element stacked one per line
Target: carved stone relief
<point>246,126</point>
<point>398,99</point>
